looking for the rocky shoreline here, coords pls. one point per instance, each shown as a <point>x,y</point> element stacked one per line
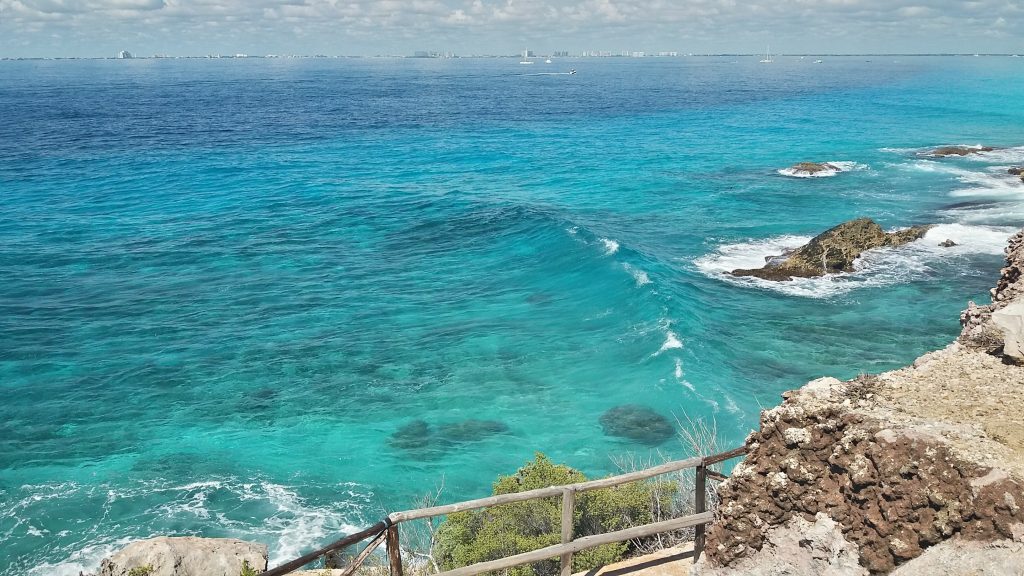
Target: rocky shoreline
<point>915,471</point>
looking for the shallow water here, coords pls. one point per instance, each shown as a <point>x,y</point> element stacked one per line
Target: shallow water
<point>228,283</point>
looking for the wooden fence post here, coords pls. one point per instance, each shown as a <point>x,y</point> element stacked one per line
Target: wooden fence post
<point>700,505</point>
<point>568,509</point>
<point>394,552</point>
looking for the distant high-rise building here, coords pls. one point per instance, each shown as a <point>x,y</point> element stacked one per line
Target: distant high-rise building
<point>124,54</point>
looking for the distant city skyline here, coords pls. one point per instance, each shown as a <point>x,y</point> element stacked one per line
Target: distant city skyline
<point>103,28</point>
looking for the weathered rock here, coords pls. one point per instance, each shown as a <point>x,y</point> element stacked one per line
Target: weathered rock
<point>1016,171</point>
<point>638,423</point>
<point>976,321</point>
<point>895,491</point>
<point>960,557</point>
<point>1010,320</point>
<point>959,150</point>
<point>833,250</point>
<point>187,556</point>
<point>947,243</point>
<point>811,168</point>
<point>797,548</point>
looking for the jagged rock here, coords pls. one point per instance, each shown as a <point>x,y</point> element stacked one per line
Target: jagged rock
<point>1016,171</point>
<point>894,490</point>
<point>976,321</point>
<point>797,548</point>
<point>1010,320</point>
<point>833,250</point>
<point>187,556</point>
<point>947,243</point>
<point>959,150</point>
<point>638,423</point>
<point>958,557</point>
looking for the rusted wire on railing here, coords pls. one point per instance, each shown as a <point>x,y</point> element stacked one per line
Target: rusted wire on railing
<point>387,529</point>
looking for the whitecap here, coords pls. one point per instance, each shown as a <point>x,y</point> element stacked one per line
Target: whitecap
<point>672,342</point>
<point>641,277</point>
<point>610,246</point>
<point>993,182</point>
<point>840,166</point>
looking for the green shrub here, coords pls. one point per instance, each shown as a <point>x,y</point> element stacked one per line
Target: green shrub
<point>146,570</point>
<point>248,570</point>
<point>480,535</point>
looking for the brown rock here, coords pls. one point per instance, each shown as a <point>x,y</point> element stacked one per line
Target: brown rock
<point>833,250</point>
<point>959,150</point>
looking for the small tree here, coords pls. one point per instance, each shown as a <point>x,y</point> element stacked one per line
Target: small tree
<point>480,535</point>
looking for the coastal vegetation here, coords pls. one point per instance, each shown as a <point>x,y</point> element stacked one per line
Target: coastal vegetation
<point>480,535</point>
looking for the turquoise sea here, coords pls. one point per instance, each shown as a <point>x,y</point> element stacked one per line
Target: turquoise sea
<point>225,284</point>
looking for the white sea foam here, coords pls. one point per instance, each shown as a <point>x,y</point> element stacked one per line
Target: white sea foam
<point>672,342</point>
<point>641,277</point>
<point>84,560</point>
<point>840,166</point>
<point>1013,155</point>
<point>880,267</point>
<point>296,526</point>
<point>993,182</point>
<point>610,246</point>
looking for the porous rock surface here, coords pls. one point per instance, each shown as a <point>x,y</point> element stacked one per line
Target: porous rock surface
<point>833,251</point>
<point>797,548</point>
<point>187,556</point>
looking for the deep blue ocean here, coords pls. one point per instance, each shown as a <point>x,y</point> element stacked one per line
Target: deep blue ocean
<point>225,284</point>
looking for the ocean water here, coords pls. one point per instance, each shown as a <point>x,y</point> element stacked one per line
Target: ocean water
<point>225,284</point>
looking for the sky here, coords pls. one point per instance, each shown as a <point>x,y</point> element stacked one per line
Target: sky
<point>101,28</point>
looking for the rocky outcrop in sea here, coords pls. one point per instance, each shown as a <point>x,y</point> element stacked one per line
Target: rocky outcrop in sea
<point>832,251</point>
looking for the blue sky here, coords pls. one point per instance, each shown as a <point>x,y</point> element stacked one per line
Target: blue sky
<point>366,27</point>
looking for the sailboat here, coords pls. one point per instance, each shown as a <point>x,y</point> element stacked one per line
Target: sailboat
<point>768,56</point>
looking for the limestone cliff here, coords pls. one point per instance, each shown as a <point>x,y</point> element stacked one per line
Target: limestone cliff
<point>900,462</point>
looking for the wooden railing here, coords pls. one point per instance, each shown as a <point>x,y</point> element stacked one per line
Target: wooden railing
<point>387,529</point>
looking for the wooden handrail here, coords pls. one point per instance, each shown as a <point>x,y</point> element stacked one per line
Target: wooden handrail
<point>307,558</point>
<point>564,550</point>
<point>548,492</point>
<point>582,544</point>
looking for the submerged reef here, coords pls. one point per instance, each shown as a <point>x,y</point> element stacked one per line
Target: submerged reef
<point>638,423</point>
<point>419,435</point>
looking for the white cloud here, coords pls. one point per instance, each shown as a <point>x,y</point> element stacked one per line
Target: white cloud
<point>358,26</point>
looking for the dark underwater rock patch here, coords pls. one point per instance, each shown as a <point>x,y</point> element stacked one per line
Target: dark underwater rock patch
<point>419,435</point>
<point>638,423</point>
<point>415,434</point>
<point>470,430</point>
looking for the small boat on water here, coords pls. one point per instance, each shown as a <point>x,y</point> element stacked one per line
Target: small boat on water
<point>527,62</point>
<point>817,61</point>
<point>768,56</point>
<point>548,61</point>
